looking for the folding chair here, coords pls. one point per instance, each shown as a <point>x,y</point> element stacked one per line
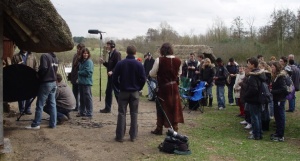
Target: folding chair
<point>184,90</point>
<point>196,96</point>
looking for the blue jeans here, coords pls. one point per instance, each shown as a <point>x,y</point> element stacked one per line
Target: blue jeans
<point>230,94</point>
<point>75,89</point>
<point>46,92</point>
<point>292,104</point>
<point>279,115</point>
<point>151,86</point>
<point>220,96</point>
<point>255,112</point>
<point>209,91</point>
<point>271,107</point>
<point>108,93</point>
<point>23,104</point>
<point>86,101</point>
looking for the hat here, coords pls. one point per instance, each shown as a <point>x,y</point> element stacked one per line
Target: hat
<point>147,54</point>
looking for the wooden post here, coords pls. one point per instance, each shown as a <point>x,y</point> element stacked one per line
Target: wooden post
<point>5,146</point>
<point>1,80</point>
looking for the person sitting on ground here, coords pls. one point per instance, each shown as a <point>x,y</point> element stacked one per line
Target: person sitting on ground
<point>65,101</point>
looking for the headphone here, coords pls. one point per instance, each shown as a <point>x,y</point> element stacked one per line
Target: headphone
<point>111,43</point>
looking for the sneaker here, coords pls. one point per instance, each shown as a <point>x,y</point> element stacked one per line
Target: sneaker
<point>249,126</point>
<point>221,108</point>
<point>244,122</point>
<point>32,127</point>
<point>254,138</point>
<point>277,138</point>
<point>251,132</point>
<point>231,104</point>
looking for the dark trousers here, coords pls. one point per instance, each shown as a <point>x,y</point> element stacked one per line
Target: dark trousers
<point>125,98</point>
<point>108,93</point>
<point>75,89</point>
<point>230,94</point>
<point>86,101</point>
<point>25,104</point>
<point>60,111</point>
<point>265,117</point>
<point>279,114</point>
<point>255,111</point>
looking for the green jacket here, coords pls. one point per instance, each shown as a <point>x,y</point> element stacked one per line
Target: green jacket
<point>85,72</point>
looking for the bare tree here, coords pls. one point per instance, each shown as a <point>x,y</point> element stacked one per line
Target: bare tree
<point>250,23</point>
<point>237,28</point>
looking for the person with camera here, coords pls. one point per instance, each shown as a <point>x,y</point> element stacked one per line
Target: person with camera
<point>167,69</point>
<point>114,56</point>
<point>129,76</point>
<point>29,59</point>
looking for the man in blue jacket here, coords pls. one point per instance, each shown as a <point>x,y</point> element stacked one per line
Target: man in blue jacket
<point>129,76</point>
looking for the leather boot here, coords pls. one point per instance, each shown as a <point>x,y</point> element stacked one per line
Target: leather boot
<point>157,131</point>
<point>175,127</point>
<point>210,102</point>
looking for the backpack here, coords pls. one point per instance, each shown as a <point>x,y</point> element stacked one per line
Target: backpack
<point>290,88</point>
<point>172,145</point>
<point>264,94</point>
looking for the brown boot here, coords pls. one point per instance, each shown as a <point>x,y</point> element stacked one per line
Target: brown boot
<point>175,127</point>
<point>157,131</point>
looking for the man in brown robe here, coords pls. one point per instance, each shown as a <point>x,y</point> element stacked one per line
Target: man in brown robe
<point>167,69</point>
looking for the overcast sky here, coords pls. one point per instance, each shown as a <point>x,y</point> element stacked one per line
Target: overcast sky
<point>131,18</point>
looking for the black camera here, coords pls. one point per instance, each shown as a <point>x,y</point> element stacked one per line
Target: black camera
<point>174,134</point>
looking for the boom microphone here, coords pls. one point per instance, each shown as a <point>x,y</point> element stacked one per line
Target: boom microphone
<point>95,31</point>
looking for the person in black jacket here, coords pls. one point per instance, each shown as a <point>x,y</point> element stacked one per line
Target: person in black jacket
<point>148,64</point>
<point>207,74</point>
<point>47,75</point>
<point>74,74</point>
<point>279,97</point>
<point>255,79</point>
<point>114,57</point>
<point>220,78</point>
<point>189,68</point>
<point>233,69</point>
<point>129,76</point>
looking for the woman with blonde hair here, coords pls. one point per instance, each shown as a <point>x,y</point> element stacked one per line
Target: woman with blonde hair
<point>207,74</point>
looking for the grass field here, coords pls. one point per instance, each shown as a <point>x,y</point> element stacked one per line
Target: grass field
<point>217,135</point>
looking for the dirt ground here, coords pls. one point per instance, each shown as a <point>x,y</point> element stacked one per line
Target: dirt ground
<point>80,140</point>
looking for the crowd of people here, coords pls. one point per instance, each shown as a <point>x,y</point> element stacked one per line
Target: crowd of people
<point>244,84</point>
<point>127,77</point>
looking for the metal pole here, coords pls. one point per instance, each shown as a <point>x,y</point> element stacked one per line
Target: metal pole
<point>100,69</point>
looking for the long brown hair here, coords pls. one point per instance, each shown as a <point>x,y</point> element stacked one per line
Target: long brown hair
<point>166,49</point>
<point>278,69</point>
<point>83,51</point>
